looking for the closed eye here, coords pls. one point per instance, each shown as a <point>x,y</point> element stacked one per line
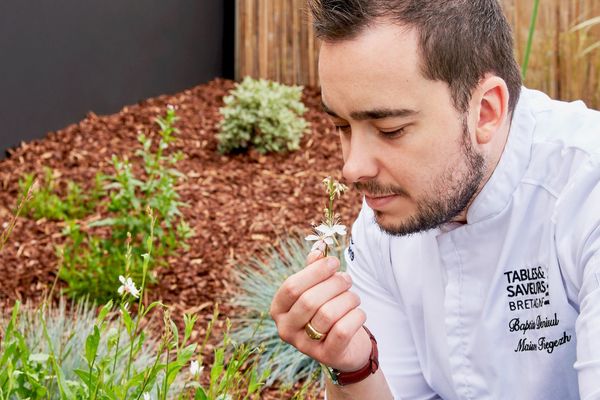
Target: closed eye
<point>393,134</point>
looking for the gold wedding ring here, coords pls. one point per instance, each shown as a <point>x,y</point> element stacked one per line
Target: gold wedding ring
<point>313,333</point>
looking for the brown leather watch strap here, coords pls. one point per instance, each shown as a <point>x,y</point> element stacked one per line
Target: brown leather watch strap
<point>346,378</point>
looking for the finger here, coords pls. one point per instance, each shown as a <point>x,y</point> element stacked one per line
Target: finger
<point>314,298</point>
<point>295,285</point>
<point>342,333</point>
<point>313,256</point>
<point>332,311</point>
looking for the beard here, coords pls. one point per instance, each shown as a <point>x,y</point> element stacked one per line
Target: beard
<point>450,194</point>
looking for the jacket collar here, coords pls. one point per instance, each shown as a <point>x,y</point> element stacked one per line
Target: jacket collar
<point>513,163</point>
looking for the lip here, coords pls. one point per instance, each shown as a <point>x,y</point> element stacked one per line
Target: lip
<point>379,202</point>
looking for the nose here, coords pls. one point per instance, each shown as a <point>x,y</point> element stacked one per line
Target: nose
<point>360,161</point>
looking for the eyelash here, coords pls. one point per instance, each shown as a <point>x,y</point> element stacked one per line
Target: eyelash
<point>392,134</point>
<point>345,129</point>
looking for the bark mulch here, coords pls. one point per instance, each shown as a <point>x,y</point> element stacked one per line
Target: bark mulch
<point>238,204</point>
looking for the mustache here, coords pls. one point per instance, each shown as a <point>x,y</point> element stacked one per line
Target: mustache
<point>376,189</point>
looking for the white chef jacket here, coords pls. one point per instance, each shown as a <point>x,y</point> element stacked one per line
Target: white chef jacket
<point>506,306</point>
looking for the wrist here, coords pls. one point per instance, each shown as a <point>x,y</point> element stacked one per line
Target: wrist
<point>342,378</point>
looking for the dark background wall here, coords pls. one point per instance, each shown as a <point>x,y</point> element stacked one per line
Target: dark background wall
<point>60,59</point>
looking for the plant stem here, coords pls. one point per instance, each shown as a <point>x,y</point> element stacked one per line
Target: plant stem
<point>165,386</point>
<point>13,220</point>
<point>148,374</point>
<point>530,39</point>
<point>140,302</point>
<point>91,370</point>
<point>114,369</point>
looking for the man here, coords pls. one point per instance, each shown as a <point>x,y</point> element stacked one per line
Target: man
<point>475,261</point>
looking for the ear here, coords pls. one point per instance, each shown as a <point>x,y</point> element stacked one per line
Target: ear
<point>492,103</point>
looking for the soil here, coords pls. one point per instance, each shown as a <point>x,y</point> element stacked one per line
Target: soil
<point>238,204</point>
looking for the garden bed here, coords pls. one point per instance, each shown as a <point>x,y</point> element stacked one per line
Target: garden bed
<point>239,204</point>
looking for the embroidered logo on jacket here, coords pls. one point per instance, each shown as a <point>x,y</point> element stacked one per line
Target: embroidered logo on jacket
<point>528,289</point>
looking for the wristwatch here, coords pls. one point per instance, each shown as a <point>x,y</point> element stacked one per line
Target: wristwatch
<point>340,378</point>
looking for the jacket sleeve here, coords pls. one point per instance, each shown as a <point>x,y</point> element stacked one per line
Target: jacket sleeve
<point>386,318</point>
<point>578,245</point>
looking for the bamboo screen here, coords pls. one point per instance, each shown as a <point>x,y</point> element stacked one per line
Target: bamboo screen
<point>274,40</point>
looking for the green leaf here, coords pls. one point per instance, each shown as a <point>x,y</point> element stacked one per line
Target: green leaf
<point>103,222</point>
<point>65,391</point>
<point>39,357</point>
<point>91,346</point>
<point>151,306</point>
<point>104,312</point>
<point>217,367</point>
<point>127,321</point>
<point>200,394</point>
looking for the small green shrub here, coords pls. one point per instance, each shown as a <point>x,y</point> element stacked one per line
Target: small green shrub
<point>94,254</point>
<point>259,281</point>
<point>264,114</point>
<point>46,203</point>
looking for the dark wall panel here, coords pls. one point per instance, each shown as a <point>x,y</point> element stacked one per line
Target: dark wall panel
<point>60,59</point>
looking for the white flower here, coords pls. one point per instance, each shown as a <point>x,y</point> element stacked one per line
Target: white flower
<point>325,235</point>
<point>195,368</point>
<point>331,231</point>
<point>146,396</point>
<point>320,239</point>
<point>319,246</point>
<point>128,287</point>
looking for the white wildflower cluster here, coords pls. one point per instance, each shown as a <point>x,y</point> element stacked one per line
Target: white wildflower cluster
<point>325,236</point>
<point>326,233</point>
<point>333,187</point>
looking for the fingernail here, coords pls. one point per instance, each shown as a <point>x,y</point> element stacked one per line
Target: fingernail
<point>313,254</point>
<point>332,262</point>
<point>346,276</point>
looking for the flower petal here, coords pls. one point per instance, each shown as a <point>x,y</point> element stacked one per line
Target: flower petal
<point>339,229</point>
<point>319,245</point>
<point>310,238</point>
<point>324,229</point>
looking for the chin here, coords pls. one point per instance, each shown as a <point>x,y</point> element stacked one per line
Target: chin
<point>402,226</point>
<point>394,225</point>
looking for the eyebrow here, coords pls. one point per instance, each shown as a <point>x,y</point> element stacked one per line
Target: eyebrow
<point>377,113</point>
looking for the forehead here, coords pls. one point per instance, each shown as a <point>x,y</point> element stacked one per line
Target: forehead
<point>377,69</point>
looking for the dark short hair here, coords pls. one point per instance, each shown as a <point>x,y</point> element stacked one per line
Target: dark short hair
<point>459,40</point>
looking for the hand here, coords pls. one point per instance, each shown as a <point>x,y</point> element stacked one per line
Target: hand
<point>319,294</point>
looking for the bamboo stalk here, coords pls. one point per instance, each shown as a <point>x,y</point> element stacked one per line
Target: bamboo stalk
<point>295,43</point>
